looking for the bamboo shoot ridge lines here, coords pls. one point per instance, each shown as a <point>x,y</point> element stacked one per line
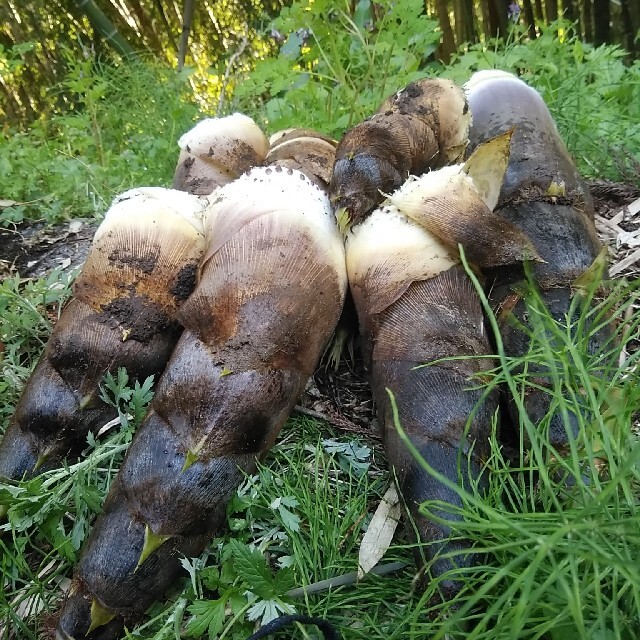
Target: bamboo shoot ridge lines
<point>307,151</point>
<point>141,267</point>
<point>269,293</point>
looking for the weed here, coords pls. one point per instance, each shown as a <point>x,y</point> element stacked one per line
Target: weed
<point>119,131</point>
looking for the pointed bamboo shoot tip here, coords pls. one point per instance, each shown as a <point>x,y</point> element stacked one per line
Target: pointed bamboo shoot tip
<point>85,401</point>
<point>191,457</point>
<point>556,189</point>
<point>40,461</point>
<point>100,615</point>
<point>591,277</point>
<point>343,220</point>
<point>151,542</point>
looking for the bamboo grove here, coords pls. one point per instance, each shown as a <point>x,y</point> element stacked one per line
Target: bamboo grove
<point>39,40</point>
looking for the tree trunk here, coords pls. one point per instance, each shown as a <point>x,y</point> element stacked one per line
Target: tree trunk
<point>494,18</point>
<point>552,10</point>
<point>627,27</point>
<point>539,11</point>
<point>570,13</point>
<point>634,12</point>
<point>146,27</point>
<point>502,9</point>
<point>9,106</point>
<point>187,19</point>
<point>601,20</point>
<point>105,27</point>
<point>527,9</point>
<point>469,20</point>
<point>167,26</point>
<point>448,45</point>
<point>463,12</point>
<point>486,22</point>
<point>587,20</point>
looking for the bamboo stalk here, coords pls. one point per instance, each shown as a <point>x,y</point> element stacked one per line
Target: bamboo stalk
<point>187,18</point>
<point>106,28</point>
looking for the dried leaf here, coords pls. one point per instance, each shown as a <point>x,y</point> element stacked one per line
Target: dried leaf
<point>628,238</point>
<point>75,226</point>
<point>378,537</point>
<point>634,207</point>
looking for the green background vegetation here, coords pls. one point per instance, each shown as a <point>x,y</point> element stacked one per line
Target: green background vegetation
<point>110,122</point>
<point>85,121</point>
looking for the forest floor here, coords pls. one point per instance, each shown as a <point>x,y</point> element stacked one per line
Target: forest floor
<point>338,396</point>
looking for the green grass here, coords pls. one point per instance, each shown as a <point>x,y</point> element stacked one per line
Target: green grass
<point>118,130</point>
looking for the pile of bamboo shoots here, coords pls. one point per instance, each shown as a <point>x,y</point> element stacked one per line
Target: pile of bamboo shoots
<point>545,197</point>
<point>229,286</point>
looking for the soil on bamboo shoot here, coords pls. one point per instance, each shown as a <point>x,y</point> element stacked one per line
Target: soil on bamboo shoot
<point>270,290</point>
<point>141,267</point>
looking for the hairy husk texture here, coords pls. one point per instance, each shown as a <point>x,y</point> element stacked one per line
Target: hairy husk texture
<point>216,151</point>
<point>416,306</point>
<point>140,269</point>
<point>270,291</point>
<point>544,196</point>
<point>424,126</point>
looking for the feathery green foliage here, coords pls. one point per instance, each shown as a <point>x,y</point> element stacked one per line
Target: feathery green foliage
<point>120,133</point>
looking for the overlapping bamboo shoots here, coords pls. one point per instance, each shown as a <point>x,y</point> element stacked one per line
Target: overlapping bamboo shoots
<point>217,151</point>
<point>544,196</point>
<point>415,304</point>
<point>417,307</point>
<point>141,267</point>
<point>305,150</point>
<point>269,293</point>
<point>422,127</point>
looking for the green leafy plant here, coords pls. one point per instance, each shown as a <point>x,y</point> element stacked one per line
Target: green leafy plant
<point>334,68</point>
<point>131,402</point>
<point>104,141</point>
